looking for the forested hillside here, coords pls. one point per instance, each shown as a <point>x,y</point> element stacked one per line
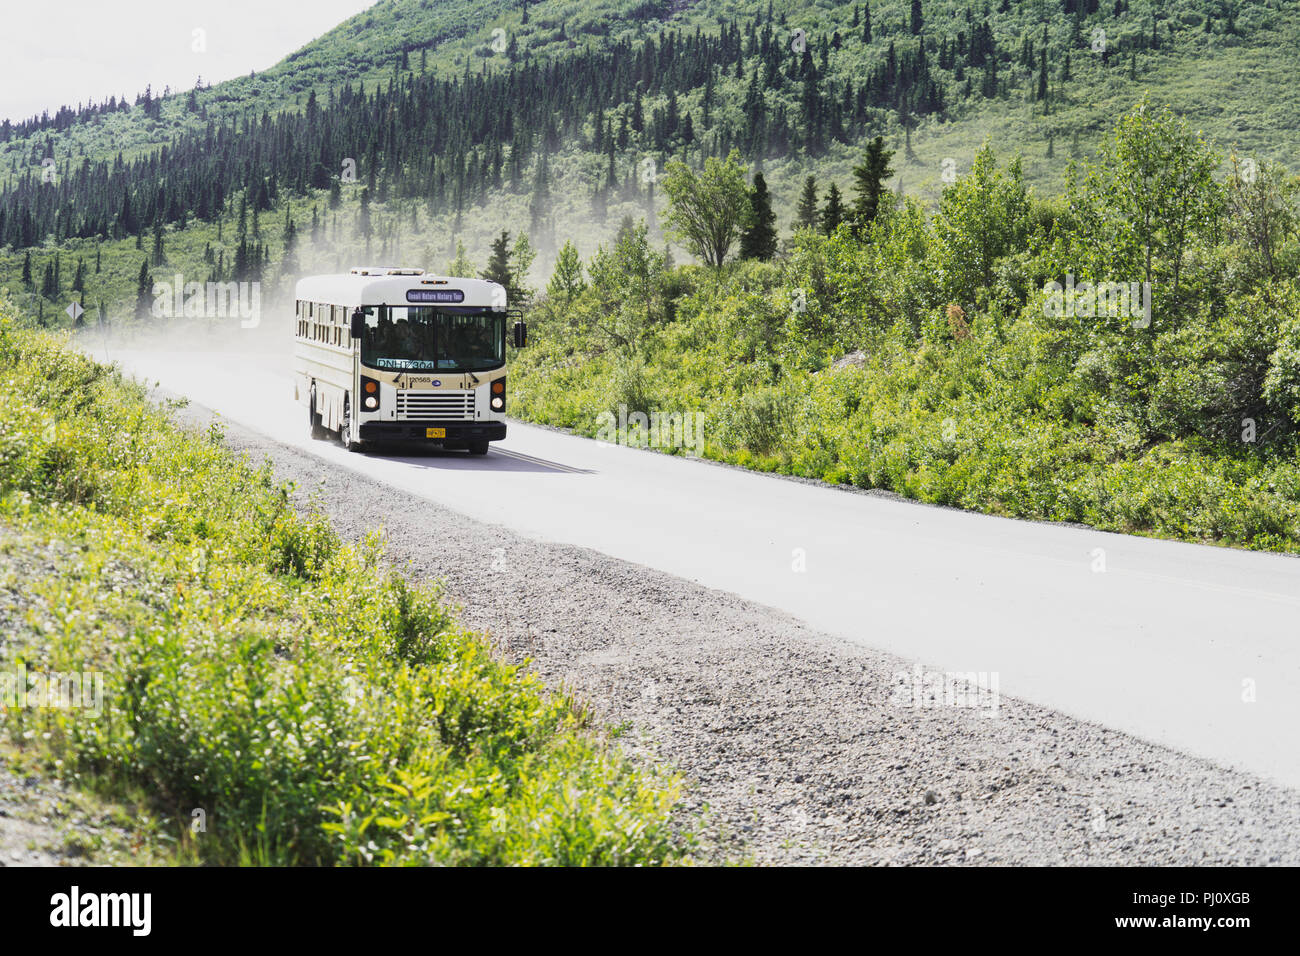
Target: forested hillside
<point>416,125</point>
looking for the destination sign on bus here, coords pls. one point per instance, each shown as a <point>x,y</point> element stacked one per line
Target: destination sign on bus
<point>435,295</point>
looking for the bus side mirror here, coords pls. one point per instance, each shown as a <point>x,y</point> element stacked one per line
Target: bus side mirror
<point>358,324</point>
<point>521,335</point>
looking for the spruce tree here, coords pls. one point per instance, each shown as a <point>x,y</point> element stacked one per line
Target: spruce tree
<point>833,211</point>
<point>758,239</point>
<point>143,291</point>
<point>808,216</point>
<point>870,180</point>
<point>498,264</point>
<point>158,256</point>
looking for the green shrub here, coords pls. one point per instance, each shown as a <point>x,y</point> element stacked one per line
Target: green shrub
<point>765,420</point>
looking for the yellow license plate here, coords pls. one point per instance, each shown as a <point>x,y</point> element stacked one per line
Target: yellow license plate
<point>435,433</point>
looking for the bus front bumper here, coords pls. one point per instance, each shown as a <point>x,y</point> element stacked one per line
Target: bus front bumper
<point>453,433</point>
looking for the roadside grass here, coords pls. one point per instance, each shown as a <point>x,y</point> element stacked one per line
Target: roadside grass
<point>76,826</point>
<point>301,701</point>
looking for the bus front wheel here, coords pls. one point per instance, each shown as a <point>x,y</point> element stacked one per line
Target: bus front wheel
<point>345,428</point>
<point>478,448</point>
<point>318,430</point>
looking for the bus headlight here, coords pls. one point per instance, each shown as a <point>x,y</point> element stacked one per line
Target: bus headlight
<point>498,401</point>
<point>369,393</point>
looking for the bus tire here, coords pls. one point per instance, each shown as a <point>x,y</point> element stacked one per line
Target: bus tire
<point>478,448</point>
<point>318,431</point>
<point>345,428</point>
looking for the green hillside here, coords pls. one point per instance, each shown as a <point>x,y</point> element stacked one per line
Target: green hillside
<point>563,66</point>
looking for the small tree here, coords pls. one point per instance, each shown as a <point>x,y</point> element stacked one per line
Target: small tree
<point>521,261</point>
<point>144,292</point>
<point>158,256</point>
<point>706,209</point>
<point>50,284</point>
<point>870,179</point>
<point>982,218</point>
<point>1261,203</point>
<point>461,265</point>
<point>808,215</point>
<point>566,281</point>
<point>1150,193</point>
<point>758,241</point>
<point>626,279</point>
<point>498,265</point>
<point>833,212</point>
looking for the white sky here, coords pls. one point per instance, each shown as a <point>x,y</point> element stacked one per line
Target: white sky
<point>56,52</point>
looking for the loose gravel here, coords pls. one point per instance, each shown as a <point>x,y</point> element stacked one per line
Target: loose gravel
<point>791,740</point>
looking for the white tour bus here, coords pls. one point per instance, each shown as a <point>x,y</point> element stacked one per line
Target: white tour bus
<point>387,354</point>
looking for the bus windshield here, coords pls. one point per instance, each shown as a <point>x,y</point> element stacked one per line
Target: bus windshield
<point>425,337</point>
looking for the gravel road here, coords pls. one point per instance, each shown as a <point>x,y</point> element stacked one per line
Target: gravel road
<point>795,744</point>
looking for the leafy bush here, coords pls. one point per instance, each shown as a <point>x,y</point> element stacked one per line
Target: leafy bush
<point>762,420</point>
<point>1282,382</point>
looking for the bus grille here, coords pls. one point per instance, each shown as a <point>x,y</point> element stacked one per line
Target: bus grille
<point>418,404</point>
